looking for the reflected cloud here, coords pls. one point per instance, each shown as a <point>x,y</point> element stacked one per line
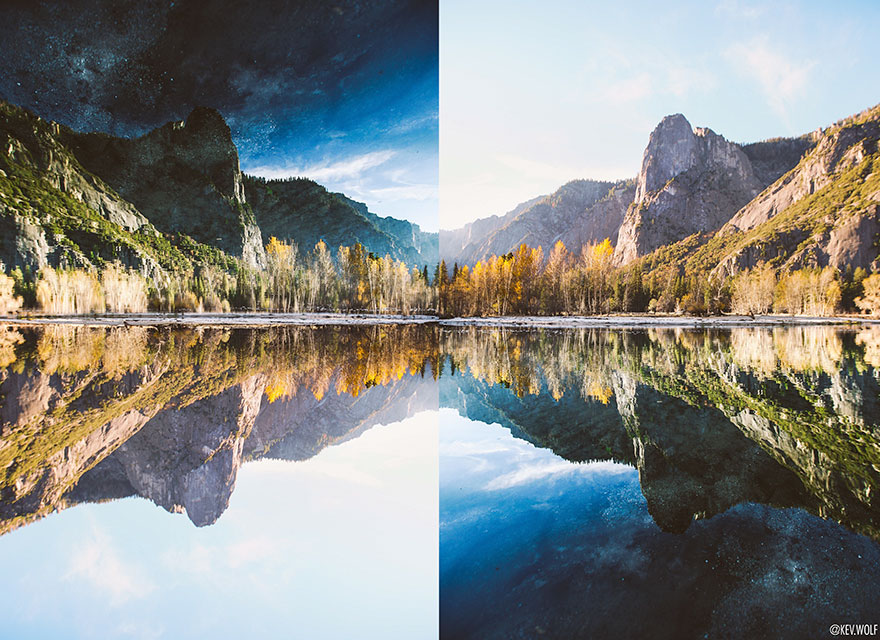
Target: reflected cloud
<point>99,564</point>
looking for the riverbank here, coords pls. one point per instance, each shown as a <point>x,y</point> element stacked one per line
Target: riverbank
<point>656,321</point>
<point>244,320</point>
<point>513,322</point>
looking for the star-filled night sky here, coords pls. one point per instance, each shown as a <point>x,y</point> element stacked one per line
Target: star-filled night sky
<point>342,92</point>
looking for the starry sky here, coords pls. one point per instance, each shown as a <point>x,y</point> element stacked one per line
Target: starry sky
<point>535,94</point>
<point>343,92</point>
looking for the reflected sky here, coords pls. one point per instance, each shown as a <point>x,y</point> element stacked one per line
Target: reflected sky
<point>341,545</point>
<point>535,546</point>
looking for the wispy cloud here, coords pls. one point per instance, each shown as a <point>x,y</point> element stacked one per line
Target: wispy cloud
<point>740,9</point>
<point>782,78</point>
<point>99,564</point>
<point>415,123</point>
<point>628,76</point>
<point>348,168</point>
<point>529,473</point>
<point>540,469</point>
<point>631,89</point>
<point>404,192</point>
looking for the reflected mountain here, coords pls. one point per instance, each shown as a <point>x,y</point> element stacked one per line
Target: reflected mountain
<point>787,417</point>
<point>93,414</point>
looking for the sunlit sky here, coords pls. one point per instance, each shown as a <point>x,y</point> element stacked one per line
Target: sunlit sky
<point>535,94</point>
<point>343,545</point>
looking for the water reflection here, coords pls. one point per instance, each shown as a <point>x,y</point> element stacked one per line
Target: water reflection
<point>90,414</point>
<point>748,450</point>
<point>788,417</point>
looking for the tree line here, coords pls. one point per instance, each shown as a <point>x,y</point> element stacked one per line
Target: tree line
<point>354,280</point>
<point>521,282</point>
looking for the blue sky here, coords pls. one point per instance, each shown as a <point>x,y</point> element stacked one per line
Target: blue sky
<point>535,94</point>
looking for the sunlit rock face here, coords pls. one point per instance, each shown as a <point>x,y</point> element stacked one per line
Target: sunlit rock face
<point>691,180</point>
<point>787,417</point>
<point>838,195</point>
<point>91,414</point>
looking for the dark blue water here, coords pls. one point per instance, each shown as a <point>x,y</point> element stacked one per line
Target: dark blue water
<point>645,503</point>
<point>533,546</point>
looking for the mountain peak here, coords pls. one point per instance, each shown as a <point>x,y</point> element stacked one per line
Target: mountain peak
<point>671,150</point>
<point>207,120</point>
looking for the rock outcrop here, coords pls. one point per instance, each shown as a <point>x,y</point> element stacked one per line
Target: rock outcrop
<point>92,414</point>
<point>457,244</point>
<point>53,211</point>
<point>781,418</point>
<point>184,177</point>
<point>691,181</point>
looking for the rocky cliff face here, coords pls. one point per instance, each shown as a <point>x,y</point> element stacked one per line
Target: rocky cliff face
<point>165,201</point>
<point>187,459</point>
<point>184,177</point>
<point>693,462</point>
<point>691,181</point>
<point>783,418</point>
<point>457,244</point>
<point>825,211</point>
<point>300,427</point>
<point>56,426</point>
<point>94,414</point>
<point>55,212</point>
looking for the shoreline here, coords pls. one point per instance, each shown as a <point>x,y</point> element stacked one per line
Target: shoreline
<point>661,321</point>
<point>265,319</point>
<point>242,320</point>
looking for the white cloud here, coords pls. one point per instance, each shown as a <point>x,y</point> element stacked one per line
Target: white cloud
<point>467,449</point>
<point>529,473</point>
<point>782,78</point>
<point>99,564</point>
<point>404,192</point>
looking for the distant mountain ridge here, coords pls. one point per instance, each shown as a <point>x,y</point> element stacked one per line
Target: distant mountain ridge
<point>703,201</point>
<point>166,201</point>
<point>579,212</point>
